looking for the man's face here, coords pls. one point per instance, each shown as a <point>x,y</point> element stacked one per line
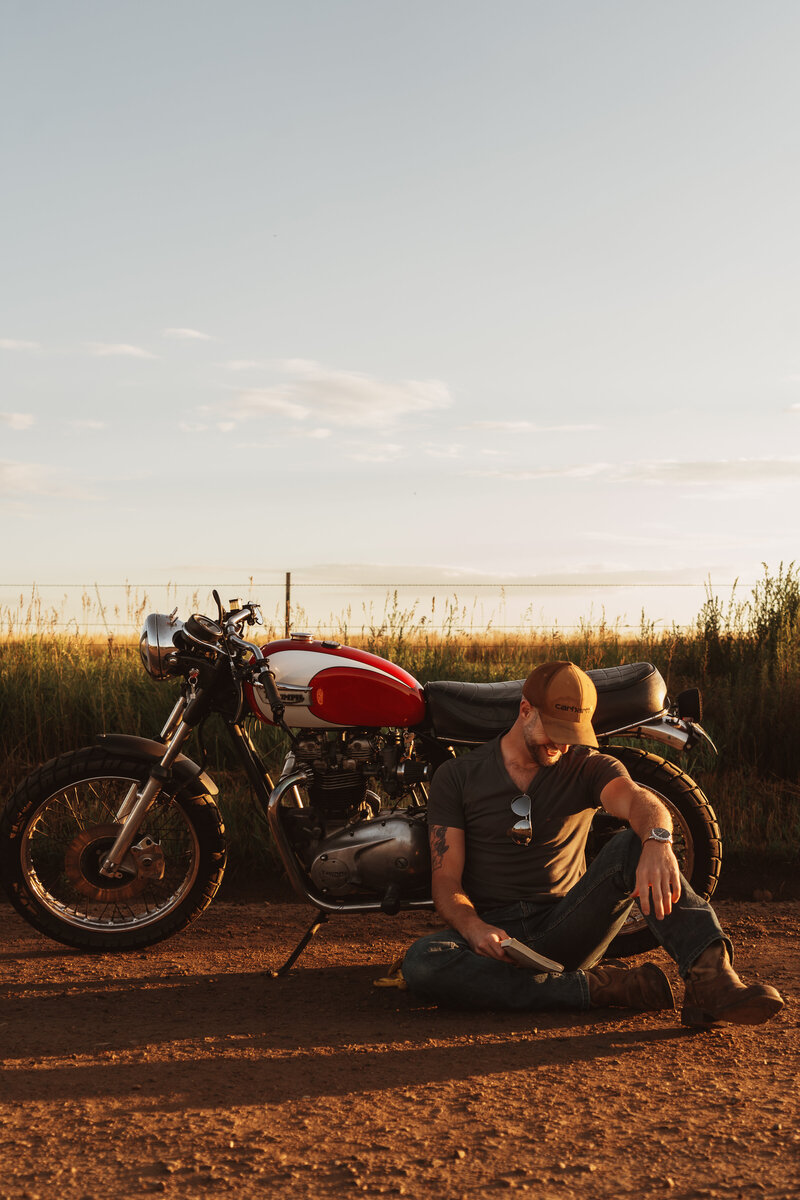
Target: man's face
<point>542,750</point>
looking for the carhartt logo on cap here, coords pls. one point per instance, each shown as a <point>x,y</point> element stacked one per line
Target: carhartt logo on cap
<point>565,698</point>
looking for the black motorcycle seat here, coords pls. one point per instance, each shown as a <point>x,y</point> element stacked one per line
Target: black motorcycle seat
<point>475,712</point>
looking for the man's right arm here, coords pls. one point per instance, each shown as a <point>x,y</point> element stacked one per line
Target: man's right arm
<point>452,903</point>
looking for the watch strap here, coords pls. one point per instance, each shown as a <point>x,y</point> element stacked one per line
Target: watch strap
<point>658,835</point>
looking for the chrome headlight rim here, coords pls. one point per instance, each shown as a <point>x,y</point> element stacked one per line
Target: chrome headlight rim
<point>156,644</point>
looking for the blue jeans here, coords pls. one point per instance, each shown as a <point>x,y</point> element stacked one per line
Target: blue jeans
<point>575,931</point>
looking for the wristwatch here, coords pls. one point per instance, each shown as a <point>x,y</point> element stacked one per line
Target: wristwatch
<point>659,835</point>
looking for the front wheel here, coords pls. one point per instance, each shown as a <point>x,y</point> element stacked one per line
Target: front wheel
<point>697,842</point>
<point>61,822</point>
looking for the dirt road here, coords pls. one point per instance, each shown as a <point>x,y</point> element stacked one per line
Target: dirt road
<point>186,1071</point>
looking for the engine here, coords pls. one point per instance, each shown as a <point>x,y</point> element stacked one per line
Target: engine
<point>342,768</point>
<point>351,839</point>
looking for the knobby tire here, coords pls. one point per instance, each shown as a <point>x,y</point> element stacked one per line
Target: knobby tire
<point>685,797</point>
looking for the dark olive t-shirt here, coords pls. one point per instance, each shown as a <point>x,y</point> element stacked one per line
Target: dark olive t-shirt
<point>474,793</point>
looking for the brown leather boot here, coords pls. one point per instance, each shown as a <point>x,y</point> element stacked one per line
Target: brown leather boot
<point>714,992</point>
<point>645,987</point>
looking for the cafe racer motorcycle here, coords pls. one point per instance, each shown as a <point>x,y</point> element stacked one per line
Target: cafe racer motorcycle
<point>121,844</point>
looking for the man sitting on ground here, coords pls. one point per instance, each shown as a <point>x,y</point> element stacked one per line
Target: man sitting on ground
<point>508,828</point>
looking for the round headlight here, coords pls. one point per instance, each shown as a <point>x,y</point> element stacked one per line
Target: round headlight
<point>156,644</point>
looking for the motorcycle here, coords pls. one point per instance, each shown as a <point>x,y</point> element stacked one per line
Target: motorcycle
<point>121,844</point>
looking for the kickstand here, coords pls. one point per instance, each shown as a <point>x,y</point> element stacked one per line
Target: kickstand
<point>318,922</point>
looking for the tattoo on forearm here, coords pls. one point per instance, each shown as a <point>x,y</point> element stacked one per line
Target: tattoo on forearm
<point>439,845</point>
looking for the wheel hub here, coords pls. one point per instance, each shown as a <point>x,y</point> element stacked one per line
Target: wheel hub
<point>83,859</point>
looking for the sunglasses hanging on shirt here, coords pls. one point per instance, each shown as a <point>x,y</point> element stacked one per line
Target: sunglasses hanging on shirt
<point>521,831</point>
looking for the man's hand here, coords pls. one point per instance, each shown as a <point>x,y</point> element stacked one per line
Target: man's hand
<point>485,939</point>
<point>658,873</point>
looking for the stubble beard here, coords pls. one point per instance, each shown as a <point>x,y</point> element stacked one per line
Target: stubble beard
<point>543,755</point>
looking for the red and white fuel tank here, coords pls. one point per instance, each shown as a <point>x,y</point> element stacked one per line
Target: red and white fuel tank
<point>325,685</point>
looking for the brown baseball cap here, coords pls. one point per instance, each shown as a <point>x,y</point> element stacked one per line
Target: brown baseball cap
<point>566,699</point>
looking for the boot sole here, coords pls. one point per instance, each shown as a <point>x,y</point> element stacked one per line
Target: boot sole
<point>752,1010</point>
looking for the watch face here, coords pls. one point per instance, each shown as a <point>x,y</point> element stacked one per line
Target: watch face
<point>661,835</point>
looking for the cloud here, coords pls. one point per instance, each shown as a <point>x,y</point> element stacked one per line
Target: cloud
<point>204,427</point>
<point>438,451</point>
<point>118,349</point>
<point>17,420</point>
<point>16,344</point>
<point>529,427</point>
<point>510,426</point>
<point>34,479</point>
<point>383,453</point>
<point>733,470</point>
<point>345,398</point>
<point>793,408</point>
<point>318,434</point>
<point>699,473</point>
<point>188,335</point>
<point>579,471</point>
<point>89,424</point>
<point>255,402</point>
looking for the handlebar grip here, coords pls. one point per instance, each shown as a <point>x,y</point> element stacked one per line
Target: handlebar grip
<point>267,681</point>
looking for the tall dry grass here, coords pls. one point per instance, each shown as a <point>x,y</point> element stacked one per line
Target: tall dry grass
<point>58,690</point>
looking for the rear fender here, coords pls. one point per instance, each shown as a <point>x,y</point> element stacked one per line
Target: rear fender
<point>188,774</point>
<point>676,732</point>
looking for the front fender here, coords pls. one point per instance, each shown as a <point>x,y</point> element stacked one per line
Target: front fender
<point>184,769</point>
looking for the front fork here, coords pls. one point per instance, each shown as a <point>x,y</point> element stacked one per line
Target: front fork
<point>137,803</point>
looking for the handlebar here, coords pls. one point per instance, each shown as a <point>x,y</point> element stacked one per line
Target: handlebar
<point>262,674</point>
<point>231,644</point>
<point>241,644</point>
<point>245,614</point>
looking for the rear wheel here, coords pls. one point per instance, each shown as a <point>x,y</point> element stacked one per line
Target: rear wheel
<point>61,822</point>
<point>697,842</point>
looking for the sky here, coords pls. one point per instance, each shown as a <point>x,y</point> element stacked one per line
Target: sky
<point>440,291</point>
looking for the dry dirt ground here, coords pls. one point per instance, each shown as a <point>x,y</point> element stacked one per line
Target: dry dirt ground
<point>186,1071</point>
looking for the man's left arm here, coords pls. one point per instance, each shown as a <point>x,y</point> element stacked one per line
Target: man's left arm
<point>658,873</point>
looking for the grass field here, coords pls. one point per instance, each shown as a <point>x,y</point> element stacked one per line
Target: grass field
<point>57,692</point>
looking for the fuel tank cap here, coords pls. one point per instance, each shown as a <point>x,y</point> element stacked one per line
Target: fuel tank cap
<point>301,637</point>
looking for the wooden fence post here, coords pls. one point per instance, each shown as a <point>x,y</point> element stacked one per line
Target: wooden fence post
<point>288,602</point>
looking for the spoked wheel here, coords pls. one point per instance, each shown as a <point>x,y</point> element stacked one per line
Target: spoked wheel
<point>58,828</point>
<point>696,834</point>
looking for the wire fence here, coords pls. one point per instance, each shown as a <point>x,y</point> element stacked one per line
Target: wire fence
<point>362,606</point>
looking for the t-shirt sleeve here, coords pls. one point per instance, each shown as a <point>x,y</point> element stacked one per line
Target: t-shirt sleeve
<point>445,806</point>
<point>602,769</point>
